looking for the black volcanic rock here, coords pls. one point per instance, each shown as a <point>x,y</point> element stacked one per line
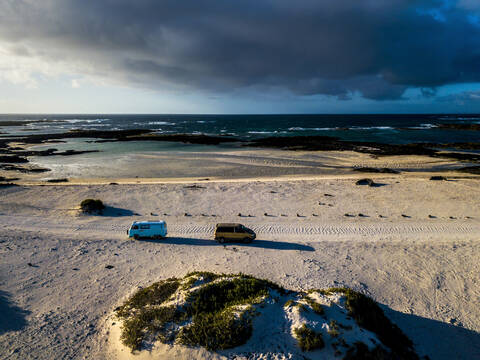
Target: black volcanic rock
<point>13,159</point>
<point>368,182</point>
<point>376,170</point>
<point>184,138</point>
<point>459,126</point>
<point>11,167</point>
<point>327,143</point>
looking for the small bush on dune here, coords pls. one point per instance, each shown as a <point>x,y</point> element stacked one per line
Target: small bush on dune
<point>155,294</point>
<point>316,307</point>
<point>217,296</point>
<point>217,331</point>
<point>90,206</point>
<point>141,317</point>
<point>212,307</point>
<point>147,320</point>
<point>370,316</point>
<point>308,339</point>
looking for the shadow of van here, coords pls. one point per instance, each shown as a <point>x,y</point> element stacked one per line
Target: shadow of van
<point>263,244</point>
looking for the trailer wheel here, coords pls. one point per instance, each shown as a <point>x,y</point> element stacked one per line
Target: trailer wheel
<point>136,237</point>
<point>221,240</point>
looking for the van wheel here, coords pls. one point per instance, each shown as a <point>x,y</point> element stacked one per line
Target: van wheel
<point>136,237</point>
<point>221,240</point>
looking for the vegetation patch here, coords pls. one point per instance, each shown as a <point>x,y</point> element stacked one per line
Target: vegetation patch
<point>217,330</point>
<point>333,329</point>
<point>308,339</point>
<point>90,206</point>
<point>220,312</point>
<point>370,316</point>
<point>216,316</point>
<point>155,294</point>
<point>316,307</point>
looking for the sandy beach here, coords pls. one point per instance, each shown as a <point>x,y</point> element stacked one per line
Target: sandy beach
<point>410,243</point>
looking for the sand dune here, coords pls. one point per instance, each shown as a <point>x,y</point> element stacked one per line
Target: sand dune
<point>424,270</point>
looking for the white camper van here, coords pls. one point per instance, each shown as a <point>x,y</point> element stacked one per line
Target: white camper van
<point>150,229</point>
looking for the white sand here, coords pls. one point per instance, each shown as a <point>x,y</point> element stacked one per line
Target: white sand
<point>424,271</point>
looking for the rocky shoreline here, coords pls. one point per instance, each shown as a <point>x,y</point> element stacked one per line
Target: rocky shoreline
<point>12,154</point>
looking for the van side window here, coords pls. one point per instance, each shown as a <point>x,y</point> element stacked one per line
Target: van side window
<point>144,226</point>
<point>135,227</point>
<point>239,229</point>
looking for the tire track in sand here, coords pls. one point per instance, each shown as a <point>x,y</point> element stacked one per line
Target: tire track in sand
<point>306,229</point>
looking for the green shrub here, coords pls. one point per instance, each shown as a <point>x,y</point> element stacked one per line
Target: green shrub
<point>333,329</point>
<point>155,294</point>
<point>218,296</point>
<point>147,320</point>
<point>308,339</point>
<point>218,315</point>
<point>212,308</point>
<point>92,206</point>
<point>370,316</point>
<point>316,307</point>
<point>207,275</point>
<point>195,275</point>
<point>217,331</point>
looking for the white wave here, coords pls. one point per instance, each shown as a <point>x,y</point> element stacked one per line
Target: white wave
<point>154,123</point>
<point>160,123</point>
<point>263,132</point>
<point>460,118</point>
<point>312,129</point>
<point>423,127</point>
<point>88,121</point>
<point>371,128</point>
<point>95,125</point>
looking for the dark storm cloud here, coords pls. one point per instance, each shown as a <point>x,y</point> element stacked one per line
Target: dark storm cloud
<point>375,47</point>
<point>462,98</point>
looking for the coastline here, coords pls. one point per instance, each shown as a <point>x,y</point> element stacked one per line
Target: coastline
<point>409,242</point>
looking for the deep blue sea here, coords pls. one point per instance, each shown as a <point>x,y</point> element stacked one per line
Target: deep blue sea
<point>378,128</point>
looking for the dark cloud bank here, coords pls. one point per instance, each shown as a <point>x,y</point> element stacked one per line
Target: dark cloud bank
<point>376,47</point>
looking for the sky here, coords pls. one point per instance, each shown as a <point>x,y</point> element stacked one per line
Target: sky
<point>239,56</point>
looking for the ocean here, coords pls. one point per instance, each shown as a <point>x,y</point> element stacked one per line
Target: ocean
<point>393,129</point>
<point>155,159</point>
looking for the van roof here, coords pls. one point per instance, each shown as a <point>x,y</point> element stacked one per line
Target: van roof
<point>150,222</point>
<point>228,224</point>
